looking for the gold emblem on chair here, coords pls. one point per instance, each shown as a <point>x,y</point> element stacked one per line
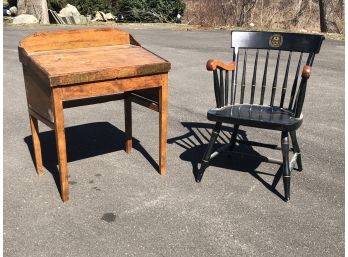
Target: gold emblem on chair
<point>276,40</point>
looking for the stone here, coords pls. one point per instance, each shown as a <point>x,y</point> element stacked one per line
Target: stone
<point>103,15</point>
<point>109,16</point>
<point>82,19</point>
<point>99,16</point>
<point>69,10</point>
<point>7,19</point>
<point>75,19</point>
<point>13,10</point>
<point>25,19</point>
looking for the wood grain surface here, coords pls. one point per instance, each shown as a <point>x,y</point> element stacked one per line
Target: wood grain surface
<point>98,63</point>
<point>57,105</point>
<point>36,144</point>
<point>110,87</point>
<point>67,39</point>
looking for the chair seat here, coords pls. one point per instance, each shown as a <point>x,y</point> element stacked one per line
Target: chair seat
<point>260,116</point>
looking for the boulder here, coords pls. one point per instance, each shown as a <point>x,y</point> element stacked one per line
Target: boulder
<point>78,19</point>
<point>81,19</point>
<point>109,16</point>
<point>7,19</point>
<point>25,19</point>
<point>99,16</point>
<point>13,10</point>
<point>69,10</point>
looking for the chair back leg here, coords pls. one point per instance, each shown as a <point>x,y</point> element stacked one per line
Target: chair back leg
<point>286,167</point>
<point>296,149</point>
<point>207,154</point>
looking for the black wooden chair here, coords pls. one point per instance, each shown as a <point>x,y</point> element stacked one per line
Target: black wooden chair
<point>285,114</point>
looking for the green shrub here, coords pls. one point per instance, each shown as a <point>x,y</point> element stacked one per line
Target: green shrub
<point>90,7</point>
<point>150,10</point>
<point>56,5</point>
<point>130,10</point>
<point>12,2</point>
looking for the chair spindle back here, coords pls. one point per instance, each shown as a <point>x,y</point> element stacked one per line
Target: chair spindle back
<point>289,48</point>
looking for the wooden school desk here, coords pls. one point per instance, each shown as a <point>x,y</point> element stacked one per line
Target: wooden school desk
<point>71,68</point>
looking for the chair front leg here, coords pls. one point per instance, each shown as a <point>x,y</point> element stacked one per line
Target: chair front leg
<point>296,149</point>
<point>234,137</point>
<point>206,157</point>
<point>286,167</point>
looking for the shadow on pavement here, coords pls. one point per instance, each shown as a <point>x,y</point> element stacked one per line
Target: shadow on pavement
<point>84,141</point>
<point>195,142</point>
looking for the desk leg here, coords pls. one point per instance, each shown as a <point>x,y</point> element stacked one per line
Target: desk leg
<point>128,123</point>
<point>36,143</point>
<point>61,144</point>
<point>163,109</point>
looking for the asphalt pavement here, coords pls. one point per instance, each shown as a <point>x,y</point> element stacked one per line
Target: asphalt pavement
<point>120,206</point>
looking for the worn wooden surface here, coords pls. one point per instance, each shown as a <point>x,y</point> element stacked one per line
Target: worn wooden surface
<point>37,116</point>
<point>110,87</point>
<point>163,114</point>
<point>60,142</point>
<point>98,63</point>
<point>67,39</point>
<point>38,94</point>
<point>213,64</point>
<point>92,100</point>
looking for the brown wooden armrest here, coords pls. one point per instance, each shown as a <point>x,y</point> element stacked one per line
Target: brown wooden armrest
<point>306,72</point>
<point>213,64</point>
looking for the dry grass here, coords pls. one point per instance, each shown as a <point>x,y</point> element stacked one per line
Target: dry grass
<point>293,15</point>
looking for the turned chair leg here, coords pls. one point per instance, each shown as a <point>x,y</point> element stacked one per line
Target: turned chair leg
<point>234,137</point>
<point>206,157</point>
<point>286,167</point>
<point>296,149</point>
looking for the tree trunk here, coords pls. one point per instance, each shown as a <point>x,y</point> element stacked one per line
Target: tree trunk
<point>327,20</point>
<point>38,8</point>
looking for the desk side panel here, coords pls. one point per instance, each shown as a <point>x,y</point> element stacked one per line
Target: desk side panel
<point>38,94</point>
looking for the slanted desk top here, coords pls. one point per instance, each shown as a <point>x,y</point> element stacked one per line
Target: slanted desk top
<point>117,56</point>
